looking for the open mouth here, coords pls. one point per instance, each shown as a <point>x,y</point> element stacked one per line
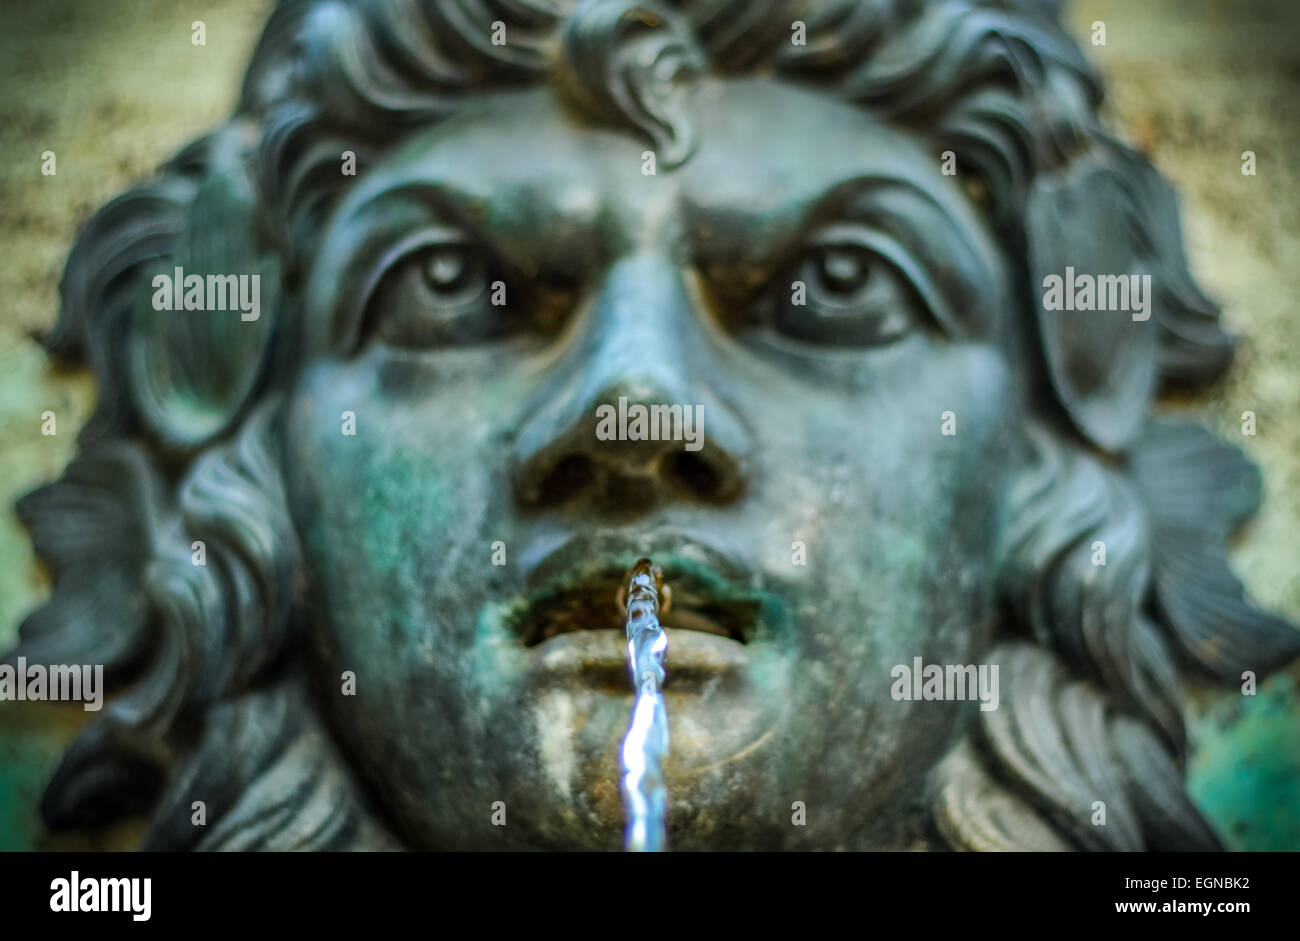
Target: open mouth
<point>587,602</point>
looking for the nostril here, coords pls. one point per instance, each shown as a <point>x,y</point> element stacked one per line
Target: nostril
<point>693,474</point>
<point>567,478</point>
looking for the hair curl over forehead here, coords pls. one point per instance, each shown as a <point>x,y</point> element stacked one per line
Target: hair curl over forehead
<point>181,447</point>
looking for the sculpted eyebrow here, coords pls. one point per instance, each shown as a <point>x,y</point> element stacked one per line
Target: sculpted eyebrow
<point>757,228</point>
<point>742,242</point>
<point>535,239</point>
<point>364,240</point>
<point>964,283</point>
<point>535,226</point>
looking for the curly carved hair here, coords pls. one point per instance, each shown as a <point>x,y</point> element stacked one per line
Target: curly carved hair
<point>181,449</point>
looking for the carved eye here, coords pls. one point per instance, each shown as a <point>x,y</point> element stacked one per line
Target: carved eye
<point>842,269</point>
<point>844,291</point>
<point>441,294</point>
<point>449,270</point>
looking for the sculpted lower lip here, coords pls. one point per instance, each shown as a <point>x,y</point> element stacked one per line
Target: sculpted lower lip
<point>557,553</point>
<point>599,658</point>
<point>589,606</point>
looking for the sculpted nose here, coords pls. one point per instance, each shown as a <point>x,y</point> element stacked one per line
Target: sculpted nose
<point>624,421</point>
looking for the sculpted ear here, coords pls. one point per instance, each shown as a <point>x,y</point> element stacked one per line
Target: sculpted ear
<point>190,372</point>
<point>1101,363</point>
<point>182,376</point>
<point>1113,214</point>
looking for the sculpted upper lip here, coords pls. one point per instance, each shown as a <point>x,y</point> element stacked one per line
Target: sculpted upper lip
<point>572,586</point>
<point>559,554</point>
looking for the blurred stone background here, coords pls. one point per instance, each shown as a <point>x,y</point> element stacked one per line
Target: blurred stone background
<point>115,87</point>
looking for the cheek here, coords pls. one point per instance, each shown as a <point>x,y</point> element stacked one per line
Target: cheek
<point>397,521</point>
<point>906,504</point>
<point>901,564</point>
<point>940,472</point>
<point>911,459</point>
<point>394,499</point>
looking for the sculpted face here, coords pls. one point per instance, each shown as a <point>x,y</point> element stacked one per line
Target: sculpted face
<point>476,427</point>
<point>416,508</point>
